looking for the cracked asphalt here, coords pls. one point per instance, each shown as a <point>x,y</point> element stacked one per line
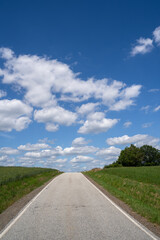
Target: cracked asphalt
<point>71,208</point>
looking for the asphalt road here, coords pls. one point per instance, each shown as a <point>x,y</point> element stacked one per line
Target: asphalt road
<point>71,208</point>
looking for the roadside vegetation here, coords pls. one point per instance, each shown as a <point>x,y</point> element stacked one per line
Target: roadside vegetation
<point>15,182</point>
<point>139,187</point>
<point>135,157</point>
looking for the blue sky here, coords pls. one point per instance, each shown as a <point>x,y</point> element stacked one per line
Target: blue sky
<point>79,81</point>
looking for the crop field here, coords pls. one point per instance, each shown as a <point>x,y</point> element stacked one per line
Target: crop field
<point>16,182</point>
<point>139,187</point>
<point>10,174</point>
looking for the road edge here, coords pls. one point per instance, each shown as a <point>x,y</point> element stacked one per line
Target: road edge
<point>12,212</point>
<point>153,228</point>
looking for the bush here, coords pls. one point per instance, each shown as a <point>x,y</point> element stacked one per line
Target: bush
<point>114,164</point>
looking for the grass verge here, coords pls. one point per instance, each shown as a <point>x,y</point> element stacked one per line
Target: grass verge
<point>21,181</point>
<point>135,187</point>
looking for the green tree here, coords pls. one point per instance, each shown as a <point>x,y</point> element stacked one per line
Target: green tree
<point>130,156</point>
<point>151,155</point>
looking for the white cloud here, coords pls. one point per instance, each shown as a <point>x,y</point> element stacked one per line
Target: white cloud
<point>127,124</point>
<point>144,45</point>
<point>97,123</point>
<point>55,115</point>
<point>138,140</point>
<point>96,116</point>
<point>6,53</point>
<point>8,151</point>
<point>80,150</point>
<point>34,151</point>
<point>131,92</point>
<point>157,109</point>
<point>154,90</point>
<point>79,142</point>
<point>14,115</point>
<point>33,147</point>
<point>125,139</point>
<point>52,152</point>
<point>81,159</point>
<point>145,108</point>
<point>121,105</point>
<point>2,93</point>
<point>58,151</point>
<point>3,158</point>
<point>87,108</point>
<point>42,154</point>
<point>67,98</point>
<point>42,78</point>
<point>156,35</point>
<point>146,125</point>
<point>46,140</point>
<point>127,94</point>
<point>61,160</point>
<point>50,127</point>
<point>107,152</point>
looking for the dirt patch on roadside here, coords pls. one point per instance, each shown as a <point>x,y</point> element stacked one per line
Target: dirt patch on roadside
<point>152,227</point>
<point>12,211</point>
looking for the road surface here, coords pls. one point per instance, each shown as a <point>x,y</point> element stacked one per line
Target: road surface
<point>71,208</point>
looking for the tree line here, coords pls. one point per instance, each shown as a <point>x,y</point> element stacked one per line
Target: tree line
<point>136,157</point>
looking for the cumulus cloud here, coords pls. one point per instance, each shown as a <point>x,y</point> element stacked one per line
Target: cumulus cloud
<point>6,53</point>
<point>125,139</point>
<point>138,140</point>
<point>8,151</point>
<point>81,159</point>
<point>127,124</point>
<point>121,105</point>
<point>108,154</point>
<point>87,108</point>
<point>61,160</point>
<point>80,141</point>
<point>97,126</point>
<point>97,123</point>
<point>34,151</point>
<point>50,127</point>
<point>43,78</point>
<point>3,158</point>
<point>144,45</point>
<point>156,35</point>
<point>111,151</point>
<point>80,150</point>
<point>33,147</point>
<point>42,154</point>
<point>53,115</point>
<point>14,115</point>
<point>127,96</point>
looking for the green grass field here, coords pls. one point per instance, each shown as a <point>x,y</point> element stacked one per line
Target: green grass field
<point>15,182</point>
<point>139,187</point>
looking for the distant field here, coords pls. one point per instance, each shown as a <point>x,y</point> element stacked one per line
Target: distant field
<point>16,182</point>
<point>141,174</point>
<point>139,187</point>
